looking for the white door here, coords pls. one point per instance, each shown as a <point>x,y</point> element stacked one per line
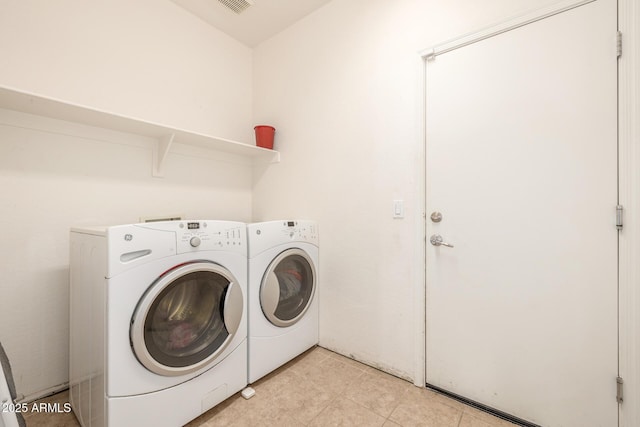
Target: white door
<point>521,162</point>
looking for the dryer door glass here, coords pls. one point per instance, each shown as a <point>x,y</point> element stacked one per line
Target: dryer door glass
<point>288,287</point>
<point>179,325</point>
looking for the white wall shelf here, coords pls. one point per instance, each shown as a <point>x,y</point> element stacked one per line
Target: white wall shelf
<point>12,99</point>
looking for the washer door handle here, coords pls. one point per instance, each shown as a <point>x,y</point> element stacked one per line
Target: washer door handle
<point>233,307</point>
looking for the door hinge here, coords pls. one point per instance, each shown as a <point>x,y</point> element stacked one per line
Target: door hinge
<point>619,392</point>
<point>619,44</point>
<point>619,210</point>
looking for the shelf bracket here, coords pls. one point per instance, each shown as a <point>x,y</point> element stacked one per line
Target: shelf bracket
<point>275,158</point>
<point>160,151</point>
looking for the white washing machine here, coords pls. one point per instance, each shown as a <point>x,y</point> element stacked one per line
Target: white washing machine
<point>283,293</point>
<point>158,321</point>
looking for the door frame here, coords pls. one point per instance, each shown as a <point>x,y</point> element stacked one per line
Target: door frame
<point>628,194</point>
<point>629,198</point>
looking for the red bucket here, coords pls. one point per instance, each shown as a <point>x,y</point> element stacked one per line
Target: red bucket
<point>264,136</point>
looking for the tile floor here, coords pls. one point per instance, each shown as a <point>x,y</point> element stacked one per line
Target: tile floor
<point>322,388</point>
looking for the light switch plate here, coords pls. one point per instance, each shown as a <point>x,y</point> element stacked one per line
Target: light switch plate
<point>398,208</point>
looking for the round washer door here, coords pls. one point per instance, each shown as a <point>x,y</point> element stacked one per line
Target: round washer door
<point>186,318</point>
<point>288,287</point>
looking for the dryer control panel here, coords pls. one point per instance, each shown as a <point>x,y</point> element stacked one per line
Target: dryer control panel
<point>304,231</point>
<point>266,235</point>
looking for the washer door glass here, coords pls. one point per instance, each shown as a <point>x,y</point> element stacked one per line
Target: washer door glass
<point>186,318</point>
<point>288,287</point>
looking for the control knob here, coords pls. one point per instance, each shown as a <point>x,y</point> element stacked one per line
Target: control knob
<point>195,241</point>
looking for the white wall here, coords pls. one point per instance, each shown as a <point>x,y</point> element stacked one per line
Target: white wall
<point>343,87</point>
<point>148,59</point>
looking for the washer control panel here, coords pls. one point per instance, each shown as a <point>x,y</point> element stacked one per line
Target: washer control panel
<point>204,235</point>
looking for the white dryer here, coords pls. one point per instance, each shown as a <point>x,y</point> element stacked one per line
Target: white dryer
<point>158,321</point>
<point>283,293</point>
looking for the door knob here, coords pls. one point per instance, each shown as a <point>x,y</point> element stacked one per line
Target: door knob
<point>436,240</point>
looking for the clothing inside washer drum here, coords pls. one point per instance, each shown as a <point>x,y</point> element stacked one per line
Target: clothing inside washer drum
<point>186,320</point>
<point>6,368</point>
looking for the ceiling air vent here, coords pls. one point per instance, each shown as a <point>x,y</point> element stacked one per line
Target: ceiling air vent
<point>238,6</point>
